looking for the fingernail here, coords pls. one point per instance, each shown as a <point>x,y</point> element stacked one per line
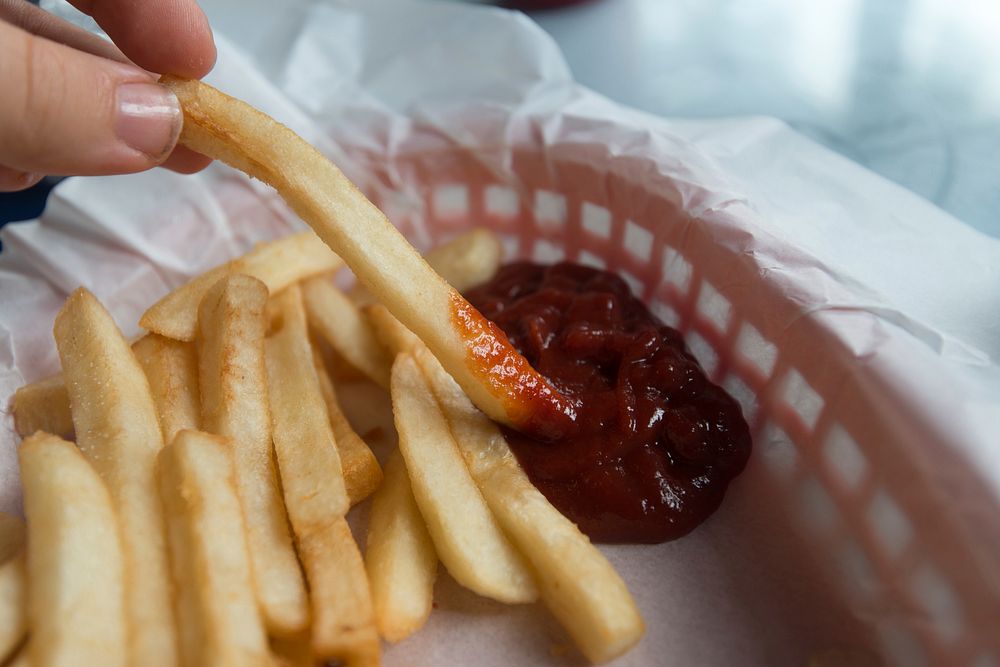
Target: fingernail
<point>12,180</point>
<point>149,118</point>
<point>29,179</point>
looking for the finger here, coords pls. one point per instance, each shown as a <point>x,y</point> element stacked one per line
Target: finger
<point>165,36</point>
<point>186,161</point>
<point>31,19</point>
<point>12,180</point>
<point>68,112</point>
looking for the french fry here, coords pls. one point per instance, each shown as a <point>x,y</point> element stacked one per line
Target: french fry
<point>362,473</point>
<point>466,536</point>
<point>369,411</point>
<point>466,261</point>
<point>19,659</point>
<point>171,368</point>
<point>340,369</point>
<point>233,380</point>
<point>220,623</point>
<point>315,493</point>
<point>42,406</point>
<point>342,325</point>
<point>117,429</point>
<point>390,331</point>
<point>312,476</point>
<point>12,535</point>
<point>76,569</point>
<point>400,557</point>
<point>277,264</point>
<point>292,651</point>
<point>13,604</point>
<point>576,581</point>
<point>401,341</point>
<point>578,584</point>
<point>601,615</point>
<point>232,131</point>
<point>343,621</point>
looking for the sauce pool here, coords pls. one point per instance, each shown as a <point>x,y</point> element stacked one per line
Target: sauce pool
<point>645,446</point>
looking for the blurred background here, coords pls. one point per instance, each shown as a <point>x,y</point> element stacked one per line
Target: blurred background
<point>908,88</point>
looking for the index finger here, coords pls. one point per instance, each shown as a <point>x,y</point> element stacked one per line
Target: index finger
<point>162,36</point>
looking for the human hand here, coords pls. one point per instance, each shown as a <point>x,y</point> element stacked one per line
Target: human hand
<point>73,103</point>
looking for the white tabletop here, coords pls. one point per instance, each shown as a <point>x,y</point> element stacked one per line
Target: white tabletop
<point>907,88</point>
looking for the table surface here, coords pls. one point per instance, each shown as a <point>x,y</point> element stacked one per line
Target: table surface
<point>907,88</point>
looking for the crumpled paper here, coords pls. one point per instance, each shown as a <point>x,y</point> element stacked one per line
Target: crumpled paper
<point>912,292</point>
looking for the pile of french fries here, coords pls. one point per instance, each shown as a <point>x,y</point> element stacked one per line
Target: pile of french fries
<point>200,516</point>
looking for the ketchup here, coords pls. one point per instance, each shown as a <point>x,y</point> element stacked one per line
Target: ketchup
<point>653,443</point>
<point>532,404</point>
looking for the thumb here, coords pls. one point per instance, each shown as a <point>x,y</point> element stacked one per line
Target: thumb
<point>69,112</point>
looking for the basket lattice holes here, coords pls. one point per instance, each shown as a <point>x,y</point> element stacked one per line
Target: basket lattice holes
<point>860,533</point>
